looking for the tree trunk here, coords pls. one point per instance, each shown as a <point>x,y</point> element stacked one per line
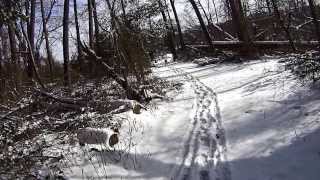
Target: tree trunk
<point>28,66</point>
<point>209,21</point>
<point>96,25</point>
<point>202,24</point>
<point>4,44</point>
<point>32,60</point>
<point>2,57</point>
<point>27,6</point>
<point>46,36</point>
<point>178,24</point>
<point>66,43</point>
<point>31,30</point>
<point>75,8</point>
<point>268,6</point>
<point>90,24</point>
<point>22,47</point>
<point>240,24</point>
<point>169,37</point>
<point>13,51</point>
<point>315,18</point>
<point>123,11</point>
<point>281,23</point>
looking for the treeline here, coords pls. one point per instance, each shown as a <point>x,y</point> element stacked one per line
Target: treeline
<point>122,37</point>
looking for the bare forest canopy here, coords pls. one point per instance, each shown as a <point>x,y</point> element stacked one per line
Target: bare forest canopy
<point>70,64</point>
<point>120,39</point>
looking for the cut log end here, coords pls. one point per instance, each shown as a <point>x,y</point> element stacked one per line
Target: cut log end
<point>114,139</point>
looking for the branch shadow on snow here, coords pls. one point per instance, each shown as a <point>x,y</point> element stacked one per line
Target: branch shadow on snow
<point>145,165</point>
<point>195,69</point>
<point>284,116</point>
<point>249,82</point>
<point>281,142</point>
<point>288,132</point>
<point>299,160</point>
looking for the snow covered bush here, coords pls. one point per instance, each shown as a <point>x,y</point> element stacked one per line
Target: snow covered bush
<point>306,66</point>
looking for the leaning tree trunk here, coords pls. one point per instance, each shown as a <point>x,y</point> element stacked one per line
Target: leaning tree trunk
<point>178,24</point>
<point>315,18</point>
<point>240,25</point>
<point>66,43</point>
<point>75,8</point>
<point>202,24</point>
<point>169,36</point>
<point>46,36</point>
<point>281,23</point>
<point>32,59</point>
<point>131,93</point>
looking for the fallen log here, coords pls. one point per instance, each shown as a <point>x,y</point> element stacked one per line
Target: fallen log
<point>256,44</point>
<point>14,111</point>
<point>60,99</point>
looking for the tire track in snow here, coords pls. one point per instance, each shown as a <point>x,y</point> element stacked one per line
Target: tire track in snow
<point>204,156</point>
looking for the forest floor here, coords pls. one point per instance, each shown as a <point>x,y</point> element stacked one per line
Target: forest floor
<point>246,121</point>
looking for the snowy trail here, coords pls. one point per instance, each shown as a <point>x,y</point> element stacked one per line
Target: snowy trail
<point>204,156</point>
<point>270,128</point>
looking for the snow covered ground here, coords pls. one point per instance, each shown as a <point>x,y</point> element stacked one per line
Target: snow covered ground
<point>271,122</point>
<point>251,121</point>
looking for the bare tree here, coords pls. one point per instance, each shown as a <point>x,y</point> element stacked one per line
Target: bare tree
<point>32,27</point>
<point>169,37</point>
<point>13,51</point>
<point>46,36</point>
<point>96,24</point>
<point>31,30</point>
<point>90,24</point>
<point>202,24</point>
<point>75,8</point>
<point>2,57</point>
<point>31,55</point>
<point>240,25</point>
<point>268,6</point>
<point>315,18</point>
<point>66,43</point>
<point>178,24</point>
<point>215,10</point>
<point>282,24</point>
